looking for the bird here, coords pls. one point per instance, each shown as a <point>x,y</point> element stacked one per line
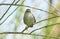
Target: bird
<point>28,19</point>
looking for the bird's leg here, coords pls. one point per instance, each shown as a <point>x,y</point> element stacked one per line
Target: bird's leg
<point>24,29</point>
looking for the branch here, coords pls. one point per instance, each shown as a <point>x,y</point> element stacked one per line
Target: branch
<point>30,7</point>
<point>7,10</point>
<point>52,6</point>
<point>12,12</point>
<point>44,27</point>
<point>34,24</point>
<point>17,1</point>
<point>23,6</point>
<point>47,19</point>
<point>26,34</point>
<point>24,29</point>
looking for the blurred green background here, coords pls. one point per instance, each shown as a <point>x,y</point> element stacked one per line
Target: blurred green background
<point>41,9</point>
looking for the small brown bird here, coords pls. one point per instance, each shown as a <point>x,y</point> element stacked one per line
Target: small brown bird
<point>29,19</point>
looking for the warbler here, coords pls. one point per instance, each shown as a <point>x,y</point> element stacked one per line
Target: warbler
<point>28,19</point>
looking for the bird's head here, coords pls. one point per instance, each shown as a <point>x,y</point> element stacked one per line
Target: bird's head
<point>28,10</point>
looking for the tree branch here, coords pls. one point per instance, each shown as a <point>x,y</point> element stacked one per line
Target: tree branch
<point>47,19</point>
<point>27,34</point>
<point>52,6</point>
<point>25,29</point>
<point>44,27</point>
<point>23,6</point>
<point>12,12</point>
<point>7,10</point>
<point>30,7</point>
<point>35,23</point>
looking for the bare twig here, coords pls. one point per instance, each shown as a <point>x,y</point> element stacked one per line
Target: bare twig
<point>7,10</point>
<point>52,6</point>
<point>17,1</point>
<point>24,29</point>
<point>10,14</point>
<point>27,34</point>
<point>47,19</point>
<point>41,21</point>
<point>30,7</point>
<point>13,11</point>
<point>16,9</point>
<point>25,6</point>
<point>44,27</point>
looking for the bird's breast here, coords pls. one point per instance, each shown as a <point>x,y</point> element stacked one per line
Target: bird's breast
<point>28,19</point>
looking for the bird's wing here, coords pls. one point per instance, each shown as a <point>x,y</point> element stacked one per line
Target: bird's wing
<point>34,18</point>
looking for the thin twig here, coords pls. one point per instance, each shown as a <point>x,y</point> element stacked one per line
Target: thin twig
<point>3,1</point>
<point>44,27</point>
<point>24,29</point>
<point>7,10</point>
<point>47,19</point>
<point>16,9</point>
<point>52,6</point>
<point>17,1</point>
<point>30,7</point>
<point>12,12</point>
<point>27,34</point>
